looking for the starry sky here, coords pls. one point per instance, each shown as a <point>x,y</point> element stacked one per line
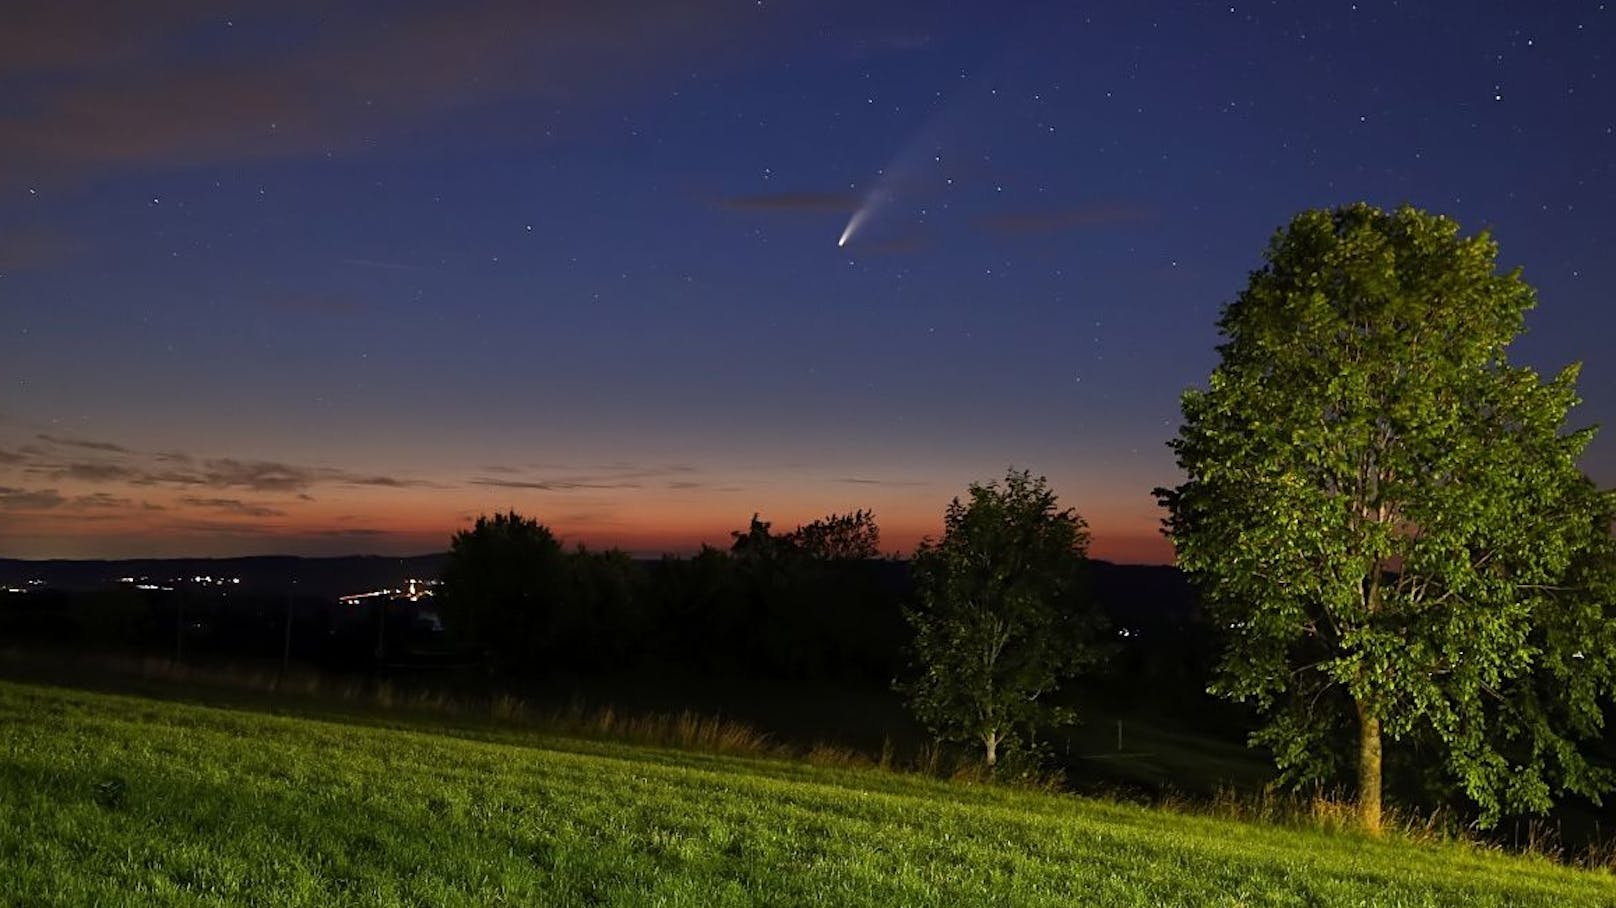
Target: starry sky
<point>312,278</point>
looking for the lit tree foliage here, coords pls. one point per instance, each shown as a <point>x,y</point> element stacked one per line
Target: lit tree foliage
<point>1000,617</point>
<point>1387,517</point>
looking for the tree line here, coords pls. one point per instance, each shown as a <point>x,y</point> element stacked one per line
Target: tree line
<point>816,602</point>
<point>1381,513</point>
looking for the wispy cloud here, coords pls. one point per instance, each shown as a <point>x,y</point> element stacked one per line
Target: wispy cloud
<point>90,471</point>
<point>102,500</point>
<point>92,506</point>
<point>896,483</point>
<point>87,444</point>
<point>66,35</point>
<point>233,506</point>
<point>258,475</point>
<point>30,500</point>
<point>387,482</point>
<point>555,485</point>
<point>65,458</point>
<point>610,476</point>
<point>108,84</point>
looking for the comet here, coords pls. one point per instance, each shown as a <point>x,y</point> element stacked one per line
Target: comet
<point>915,171</point>
<point>853,223</point>
<point>918,168</point>
<point>878,198</point>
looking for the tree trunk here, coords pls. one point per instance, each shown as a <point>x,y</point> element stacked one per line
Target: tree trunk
<point>991,742</point>
<point>1368,771</point>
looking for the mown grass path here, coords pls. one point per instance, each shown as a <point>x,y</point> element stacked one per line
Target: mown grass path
<point>109,800</point>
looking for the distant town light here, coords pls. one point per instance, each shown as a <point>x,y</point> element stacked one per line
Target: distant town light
<point>414,590</point>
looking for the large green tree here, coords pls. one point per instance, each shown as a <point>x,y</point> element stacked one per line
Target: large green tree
<point>1386,516</point>
<point>1000,616</point>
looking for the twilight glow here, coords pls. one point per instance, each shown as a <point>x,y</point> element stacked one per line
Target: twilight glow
<point>295,280</point>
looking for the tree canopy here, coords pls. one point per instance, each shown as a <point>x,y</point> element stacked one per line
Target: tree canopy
<point>840,537</point>
<point>853,536</point>
<point>1000,617</point>
<point>500,585</point>
<point>1386,516</point>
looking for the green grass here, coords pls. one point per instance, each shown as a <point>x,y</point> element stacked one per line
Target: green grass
<point>113,800</point>
<point>1157,754</point>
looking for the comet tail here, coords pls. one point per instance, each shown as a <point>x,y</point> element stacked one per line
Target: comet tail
<point>853,224</point>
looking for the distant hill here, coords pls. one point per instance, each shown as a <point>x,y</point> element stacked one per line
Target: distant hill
<point>258,574</point>
<point>1149,594</point>
<point>1129,593</point>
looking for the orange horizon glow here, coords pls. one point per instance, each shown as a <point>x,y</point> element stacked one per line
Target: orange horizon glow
<point>67,497</point>
<point>114,541</point>
<point>397,528</point>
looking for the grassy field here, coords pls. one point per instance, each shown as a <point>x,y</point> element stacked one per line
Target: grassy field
<point>112,800</point>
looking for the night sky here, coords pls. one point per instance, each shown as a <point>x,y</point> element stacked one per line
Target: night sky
<point>288,278</point>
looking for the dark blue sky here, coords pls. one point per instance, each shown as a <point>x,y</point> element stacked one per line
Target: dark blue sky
<point>280,278</point>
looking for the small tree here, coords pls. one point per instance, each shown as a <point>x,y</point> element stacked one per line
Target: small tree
<point>999,618</point>
<point>1387,518</point>
<point>500,585</point>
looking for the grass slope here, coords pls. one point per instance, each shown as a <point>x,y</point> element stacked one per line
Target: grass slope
<point>110,800</point>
